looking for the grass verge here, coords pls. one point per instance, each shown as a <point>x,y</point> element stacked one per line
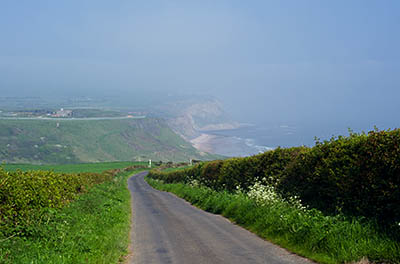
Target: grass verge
<point>325,239</point>
<point>92,229</point>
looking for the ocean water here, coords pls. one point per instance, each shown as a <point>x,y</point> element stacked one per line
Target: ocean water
<point>254,139</point>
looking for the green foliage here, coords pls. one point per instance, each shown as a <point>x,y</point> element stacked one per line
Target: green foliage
<point>94,228</point>
<point>310,233</point>
<point>230,173</point>
<point>27,197</point>
<point>358,175</point>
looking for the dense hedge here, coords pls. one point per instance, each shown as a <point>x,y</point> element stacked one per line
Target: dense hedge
<point>25,197</point>
<point>228,174</point>
<point>358,175</point>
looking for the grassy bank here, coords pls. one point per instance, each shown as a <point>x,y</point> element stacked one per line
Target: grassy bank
<point>307,232</point>
<point>94,228</point>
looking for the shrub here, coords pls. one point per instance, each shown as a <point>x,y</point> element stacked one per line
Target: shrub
<point>25,197</point>
<point>358,175</point>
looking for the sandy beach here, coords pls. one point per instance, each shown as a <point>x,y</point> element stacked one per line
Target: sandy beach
<point>224,145</point>
<point>204,143</point>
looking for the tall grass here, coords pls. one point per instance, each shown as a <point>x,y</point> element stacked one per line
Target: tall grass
<point>307,232</point>
<point>92,229</point>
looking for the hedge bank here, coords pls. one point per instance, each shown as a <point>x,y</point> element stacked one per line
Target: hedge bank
<point>357,175</point>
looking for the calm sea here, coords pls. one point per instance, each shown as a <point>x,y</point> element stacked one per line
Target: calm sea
<point>253,139</point>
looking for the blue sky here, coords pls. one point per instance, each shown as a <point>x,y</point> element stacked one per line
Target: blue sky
<point>331,63</point>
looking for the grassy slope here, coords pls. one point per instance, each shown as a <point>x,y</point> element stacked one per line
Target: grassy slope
<point>74,168</point>
<point>92,229</point>
<point>41,141</point>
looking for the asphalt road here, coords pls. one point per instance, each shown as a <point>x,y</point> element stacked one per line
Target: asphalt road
<point>167,229</point>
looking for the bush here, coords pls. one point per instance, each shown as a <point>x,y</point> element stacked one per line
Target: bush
<point>358,175</point>
<point>25,197</point>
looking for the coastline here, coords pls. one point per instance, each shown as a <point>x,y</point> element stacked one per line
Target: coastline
<point>204,143</point>
<point>229,146</point>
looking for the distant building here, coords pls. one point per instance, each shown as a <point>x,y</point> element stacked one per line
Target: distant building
<point>63,113</point>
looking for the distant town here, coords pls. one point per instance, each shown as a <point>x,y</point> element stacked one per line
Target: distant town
<point>68,113</point>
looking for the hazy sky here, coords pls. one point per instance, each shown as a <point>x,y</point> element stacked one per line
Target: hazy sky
<point>301,62</point>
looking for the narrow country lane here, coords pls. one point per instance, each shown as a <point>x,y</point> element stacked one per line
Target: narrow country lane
<point>167,229</point>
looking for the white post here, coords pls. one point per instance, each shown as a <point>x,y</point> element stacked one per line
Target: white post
<point>149,163</point>
<point>190,162</point>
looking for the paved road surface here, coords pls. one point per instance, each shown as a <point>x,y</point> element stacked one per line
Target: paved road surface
<point>167,229</point>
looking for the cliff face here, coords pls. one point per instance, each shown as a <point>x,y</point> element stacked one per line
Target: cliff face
<point>192,118</point>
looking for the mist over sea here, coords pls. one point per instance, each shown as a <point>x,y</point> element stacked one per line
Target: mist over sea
<point>251,139</point>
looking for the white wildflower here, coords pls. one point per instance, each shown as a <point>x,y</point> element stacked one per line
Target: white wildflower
<point>194,183</point>
<point>239,189</point>
<point>263,194</point>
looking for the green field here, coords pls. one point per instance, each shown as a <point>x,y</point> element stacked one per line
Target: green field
<point>93,112</point>
<point>74,168</point>
<point>81,141</point>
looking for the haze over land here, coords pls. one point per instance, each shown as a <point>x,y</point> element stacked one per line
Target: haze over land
<point>296,69</point>
<point>36,130</point>
<point>190,91</point>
